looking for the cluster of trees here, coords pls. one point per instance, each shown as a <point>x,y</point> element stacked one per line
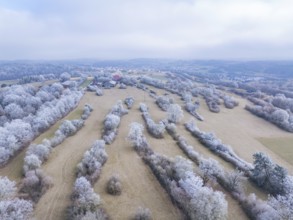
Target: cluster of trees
<point>128,80</point>
<point>212,99</point>
<point>182,143</point>
<point>66,129</point>
<point>34,184</point>
<point>152,82</point>
<point>229,101</point>
<point>31,113</point>
<point>279,117</point>
<point>92,161</point>
<point>112,122</point>
<point>281,101</point>
<point>36,155</point>
<point>270,176</point>
<point>155,129</point>
<point>85,202</point>
<point>174,113</point>
<point>64,77</point>
<point>12,207</point>
<point>178,178</point>
<point>189,105</point>
<point>192,109</point>
<point>214,144</point>
<point>36,78</point>
<point>278,207</point>
<point>129,101</point>
<point>164,102</point>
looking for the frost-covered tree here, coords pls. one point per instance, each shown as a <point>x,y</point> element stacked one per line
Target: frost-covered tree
<point>31,162</point>
<point>14,111</point>
<point>111,122</point>
<point>93,160</point>
<point>164,102</point>
<point>86,111</point>
<point>118,109</point>
<point>268,175</point>
<point>143,107</point>
<point>129,101</point>
<point>34,185</point>
<point>175,113</point>
<point>10,207</point>
<point>84,197</point>
<point>16,209</point>
<point>210,169</point>
<point>280,116</point>
<point>135,135</point>
<point>7,188</point>
<point>64,77</point>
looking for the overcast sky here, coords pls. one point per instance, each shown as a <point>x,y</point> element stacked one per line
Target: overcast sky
<point>122,29</point>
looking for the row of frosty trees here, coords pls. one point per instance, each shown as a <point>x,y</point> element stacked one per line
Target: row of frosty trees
<point>25,113</point>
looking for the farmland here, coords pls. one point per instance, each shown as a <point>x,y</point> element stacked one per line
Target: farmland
<point>245,133</point>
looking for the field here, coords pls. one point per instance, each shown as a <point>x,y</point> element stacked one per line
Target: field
<point>246,134</point>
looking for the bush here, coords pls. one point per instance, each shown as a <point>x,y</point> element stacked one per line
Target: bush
<point>156,130</point>
<point>92,162</point>
<point>143,107</point>
<point>85,202</point>
<point>114,186</point>
<point>99,92</point>
<point>175,113</point>
<point>129,102</point>
<point>142,214</point>
<point>164,102</point>
<point>34,185</point>
<point>86,111</point>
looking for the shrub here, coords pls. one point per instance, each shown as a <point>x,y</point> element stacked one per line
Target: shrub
<point>143,107</point>
<point>129,102</point>
<point>142,214</point>
<point>34,185</point>
<point>114,186</point>
<point>99,92</point>
<point>164,102</point>
<point>85,202</point>
<point>175,113</point>
<point>93,160</point>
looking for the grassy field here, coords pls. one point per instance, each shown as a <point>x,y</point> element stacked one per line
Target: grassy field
<point>246,134</point>
<point>281,146</point>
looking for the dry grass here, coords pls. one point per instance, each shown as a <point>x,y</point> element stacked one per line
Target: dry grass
<point>237,127</point>
<point>281,146</point>
<point>134,175</point>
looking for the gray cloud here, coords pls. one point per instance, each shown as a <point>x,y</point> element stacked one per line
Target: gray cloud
<point>213,29</point>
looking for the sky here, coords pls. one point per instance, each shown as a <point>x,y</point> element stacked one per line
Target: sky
<point>126,29</point>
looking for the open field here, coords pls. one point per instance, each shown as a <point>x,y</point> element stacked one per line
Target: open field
<point>282,146</point>
<point>245,132</point>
